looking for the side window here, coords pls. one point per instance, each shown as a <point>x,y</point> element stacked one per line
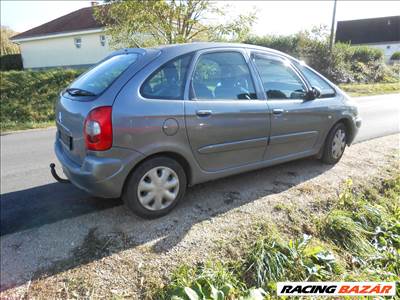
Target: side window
<point>222,75</point>
<point>280,82</point>
<point>168,82</point>
<point>316,81</point>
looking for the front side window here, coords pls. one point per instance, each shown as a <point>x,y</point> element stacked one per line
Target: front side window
<point>279,80</point>
<point>97,79</point>
<point>316,81</point>
<point>222,75</point>
<point>168,82</point>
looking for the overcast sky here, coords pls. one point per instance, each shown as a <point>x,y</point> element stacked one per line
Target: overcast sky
<point>274,17</point>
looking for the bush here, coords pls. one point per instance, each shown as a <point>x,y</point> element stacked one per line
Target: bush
<point>29,96</point>
<point>287,44</point>
<point>395,56</point>
<point>10,62</point>
<point>346,63</point>
<point>366,54</point>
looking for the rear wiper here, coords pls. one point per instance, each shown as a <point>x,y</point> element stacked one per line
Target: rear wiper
<point>79,92</point>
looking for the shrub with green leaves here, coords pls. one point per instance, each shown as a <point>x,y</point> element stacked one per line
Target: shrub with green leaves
<point>28,97</point>
<point>345,64</point>
<point>395,56</point>
<point>11,62</point>
<point>209,281</point>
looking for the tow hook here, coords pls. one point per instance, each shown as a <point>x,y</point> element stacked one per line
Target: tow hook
<point>55,175</point>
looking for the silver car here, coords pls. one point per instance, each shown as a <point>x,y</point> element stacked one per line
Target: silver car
<point>144,124</point>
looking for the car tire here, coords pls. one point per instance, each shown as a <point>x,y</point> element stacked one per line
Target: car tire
<point>335,144</point>
<point>155,187</point>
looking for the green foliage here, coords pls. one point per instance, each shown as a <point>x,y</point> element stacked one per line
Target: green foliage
<point>10,62</point>
<point>149,23</point>
<point>366,54</point>
<point>347,233</point>
<point>395,56</point>
<point>6,46</point>
<point>28,96</point>
<point>367,225</point>
<point>364,228</point>
<point>210,281</point>
<point>345,63</point>
<point>285,43</point>
<point>271,261</point>
<point>368,89</point>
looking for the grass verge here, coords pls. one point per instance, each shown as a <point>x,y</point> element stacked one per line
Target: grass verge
<point>15,126</point>
<point>357,238</point>
<point>369,89</point>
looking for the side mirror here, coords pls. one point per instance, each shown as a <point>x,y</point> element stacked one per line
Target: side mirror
<point>312,94</point>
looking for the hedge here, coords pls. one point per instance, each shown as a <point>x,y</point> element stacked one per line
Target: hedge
<point>29,96</point>
<point>395,56</point>
<point>10,62</point>
<point>346,63</point>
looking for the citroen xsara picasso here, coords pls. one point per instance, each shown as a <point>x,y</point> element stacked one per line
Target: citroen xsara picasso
<point>144,124</point>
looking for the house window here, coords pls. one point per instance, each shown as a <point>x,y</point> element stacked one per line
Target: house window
<point>77,42</point>
<point>103,40</point>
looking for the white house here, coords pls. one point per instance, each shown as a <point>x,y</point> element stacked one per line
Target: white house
<point>382,33</point>
<point>74,40</point>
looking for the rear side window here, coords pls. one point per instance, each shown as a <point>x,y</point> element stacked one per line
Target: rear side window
<point>222,75</point>
<point>168,82</point>
<point>100,77</point>
<point>316,81</point>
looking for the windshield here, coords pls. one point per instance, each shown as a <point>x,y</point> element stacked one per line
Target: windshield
<point>97,79</point>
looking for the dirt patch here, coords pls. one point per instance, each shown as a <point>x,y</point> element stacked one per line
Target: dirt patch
<point>112,253</point>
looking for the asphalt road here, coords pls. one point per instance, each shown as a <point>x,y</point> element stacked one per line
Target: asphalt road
<point>30,197</point>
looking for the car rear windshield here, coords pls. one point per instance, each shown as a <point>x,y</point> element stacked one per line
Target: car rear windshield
<point>100,77</point>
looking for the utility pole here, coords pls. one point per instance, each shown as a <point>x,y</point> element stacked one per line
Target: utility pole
<point>333,27</point>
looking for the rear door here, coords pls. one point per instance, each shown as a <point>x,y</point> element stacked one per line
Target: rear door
<point>227,126</point>
<point>296,124</point>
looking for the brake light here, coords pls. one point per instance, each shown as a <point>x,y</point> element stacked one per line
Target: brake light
<point>98,129</point>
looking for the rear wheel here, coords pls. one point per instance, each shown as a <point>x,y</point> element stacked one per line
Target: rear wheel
<point>335,144</point>
<point>155,187</point>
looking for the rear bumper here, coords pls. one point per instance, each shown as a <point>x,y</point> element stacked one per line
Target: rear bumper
<point>357,122</point>
<point>100,176</point>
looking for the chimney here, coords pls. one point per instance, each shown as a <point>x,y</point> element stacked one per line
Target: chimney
<point>94,3</point>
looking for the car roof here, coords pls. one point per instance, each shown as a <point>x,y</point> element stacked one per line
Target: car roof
<point>180,49</point>
<point>174,50</point>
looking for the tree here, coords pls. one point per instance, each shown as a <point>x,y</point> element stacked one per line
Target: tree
<point>6,46</point>
<point>155,22</point>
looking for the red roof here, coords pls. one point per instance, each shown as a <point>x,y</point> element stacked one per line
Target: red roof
<point>79,20</point>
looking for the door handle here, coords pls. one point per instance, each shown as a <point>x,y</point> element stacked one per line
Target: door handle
<point>204,112</point>
<point>277,111</point>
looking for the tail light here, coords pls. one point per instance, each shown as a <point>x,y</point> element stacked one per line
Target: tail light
<point>98,129</point>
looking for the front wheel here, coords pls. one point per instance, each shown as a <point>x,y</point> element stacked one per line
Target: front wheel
<point>155,187</point>
<point>335,144</point>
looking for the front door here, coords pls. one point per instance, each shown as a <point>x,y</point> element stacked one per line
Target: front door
<point>295,122</point>
<point>227,126</point>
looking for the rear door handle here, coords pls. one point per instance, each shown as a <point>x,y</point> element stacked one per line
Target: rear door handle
<point>277,111</point>
<point>204,113</point>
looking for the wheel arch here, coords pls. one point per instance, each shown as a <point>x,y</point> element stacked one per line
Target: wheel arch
<point>182,160</point>
<point>349,128</point>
